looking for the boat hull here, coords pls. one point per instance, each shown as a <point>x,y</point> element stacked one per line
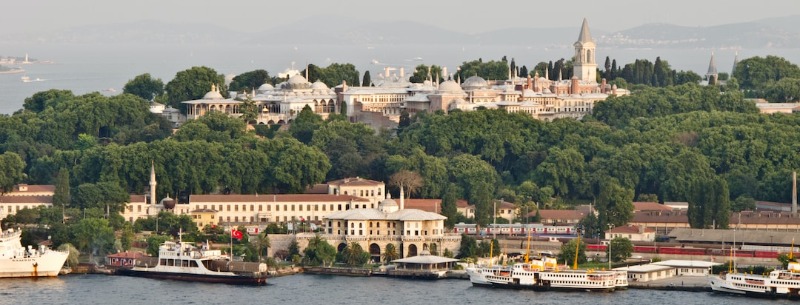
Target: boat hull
<point>46,265</point>
<point>189,277</point>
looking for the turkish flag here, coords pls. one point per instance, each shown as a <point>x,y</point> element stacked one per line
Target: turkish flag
<point>236,234</point>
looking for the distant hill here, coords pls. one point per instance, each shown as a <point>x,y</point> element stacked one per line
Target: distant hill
<point>781,32</point>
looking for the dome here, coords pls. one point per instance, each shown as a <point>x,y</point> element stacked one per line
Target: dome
<point>168,203</point>
<point>475,82</point>
<point>297,82</point>
<point>318,85</point>
<point>388,205</point>
<point>265,87</point>
<point>213,95</point>
<point>450,86</point>
<point>297,79</point>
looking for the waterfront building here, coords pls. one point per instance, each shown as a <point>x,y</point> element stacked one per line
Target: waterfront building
<point>261,209</point>
<point>25,196</point>
<point>410,231</point>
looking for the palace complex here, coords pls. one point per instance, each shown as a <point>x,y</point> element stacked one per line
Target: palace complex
<point>381,105</point>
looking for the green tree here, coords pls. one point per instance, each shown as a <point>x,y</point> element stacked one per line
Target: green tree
<point>262,244</point>
<point>783,91</point>
<point>756,72</point>
<point>46,99</point>
<point>304,125</point>
<point>126,236</point>
<point>61,196</point>
<point>319,252</point>
<point>367,80</point>
<point>144,86</point>
<point>353,255</point>
<point>249,111</point>
<point>193,84</point>
<point>743,203</point>
<point>93,235</point>
<point>390,253</point>
<point>249,80</point>
<point>11,171</point>
<point>424,72</point>
<point>468,248</point>
<point>294,248</point>
<point>72,258</point>
<point>619,249</point>
<point>449,205</point>
<point>568,251</point>
<point>155,241</point>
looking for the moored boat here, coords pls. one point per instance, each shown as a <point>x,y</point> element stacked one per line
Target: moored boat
<point>184,262</point>
<point>779,283</point>
<point>19,261</point>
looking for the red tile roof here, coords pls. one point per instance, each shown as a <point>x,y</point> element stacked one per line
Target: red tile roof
<point>461,203</point>
<point>630,230</point>
<point>320,188</point>
<point>127,255</point>
<point>357,181</point>
<point>38,188</point>
<point>275,198</point>
<point>27,199</point>
<point>427,205</point>
<point>650,206</point>
<point>138,199</point>
<point>660,217</point>
<point>559,214</point>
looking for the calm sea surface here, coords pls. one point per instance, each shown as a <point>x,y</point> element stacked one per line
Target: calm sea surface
<point>317,289</point>
<point>106,68</point>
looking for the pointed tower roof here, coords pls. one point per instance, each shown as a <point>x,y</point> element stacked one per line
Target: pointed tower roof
<point>712,67</point>
<point>585,35</point>
<point>735,62</point>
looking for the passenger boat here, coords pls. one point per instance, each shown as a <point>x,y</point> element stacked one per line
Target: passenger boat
<point>185,262</point>
<point>19,261</point>
<point>779,283</point>
<point>524,276</point>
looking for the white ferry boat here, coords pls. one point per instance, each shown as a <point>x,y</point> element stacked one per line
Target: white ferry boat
<point>779,283</point>
<point>523,276</point>
<point>185,262</point>
<point>18,261</point>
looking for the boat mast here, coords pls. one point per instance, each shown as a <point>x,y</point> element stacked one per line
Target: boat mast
<point>577,249</point>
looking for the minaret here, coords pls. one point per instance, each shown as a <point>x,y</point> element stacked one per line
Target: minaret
<point>152,182</point>
<point>735,62</point>
<point>712,74</point>
<point>402,198</point>
<point>585,66</point>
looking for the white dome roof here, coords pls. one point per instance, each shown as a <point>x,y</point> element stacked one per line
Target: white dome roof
<point>388,205</point>
<point>213,95</point>
<point>318,85</point>
<point>450,86</point>
<point>475,82</point>
<point>266,86</point>
<point>297,79</point>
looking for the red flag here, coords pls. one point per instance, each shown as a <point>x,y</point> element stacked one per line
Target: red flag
<point>236,234</point>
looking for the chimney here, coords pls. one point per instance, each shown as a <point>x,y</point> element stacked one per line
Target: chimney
<point>402,72</point>
<point>386,72</point>
<point>444,71</point>
<point>794,192</point>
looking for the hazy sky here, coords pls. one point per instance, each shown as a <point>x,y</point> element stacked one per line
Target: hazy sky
<point>461,15</point>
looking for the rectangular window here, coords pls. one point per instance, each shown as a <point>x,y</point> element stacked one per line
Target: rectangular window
<point>252,208</point>
<point>300,207</point>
